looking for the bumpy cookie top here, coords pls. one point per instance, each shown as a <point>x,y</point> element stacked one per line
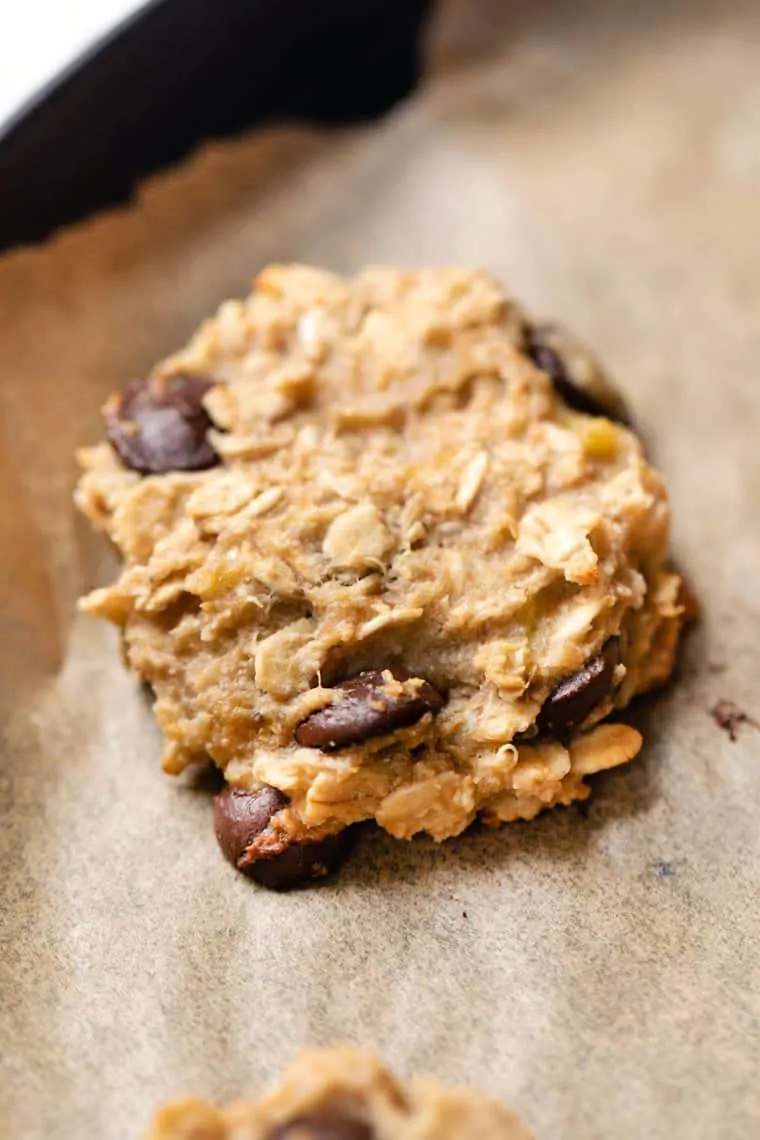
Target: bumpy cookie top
<point>384,552</point>
<point>344,1094</point>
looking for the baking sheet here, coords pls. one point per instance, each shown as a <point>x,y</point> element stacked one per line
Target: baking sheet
<point>598,969</point>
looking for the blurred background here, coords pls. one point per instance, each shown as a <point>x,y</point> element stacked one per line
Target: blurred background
<point>39,37</point>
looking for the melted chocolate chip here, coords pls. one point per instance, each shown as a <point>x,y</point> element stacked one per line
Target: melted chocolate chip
<point>326,1124</point>
<point>242,824</point>
<point>546,357</point>
<point>566,708</point>
<point>301,863</point>
<point>240,817</point>
<point>161,425</point>
<point>366,706</point>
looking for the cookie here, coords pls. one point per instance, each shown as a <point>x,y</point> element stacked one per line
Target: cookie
<point>344,1094</point>
<point>390,553</point>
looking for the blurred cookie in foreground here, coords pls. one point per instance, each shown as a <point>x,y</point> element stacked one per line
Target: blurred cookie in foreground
<point>344,1094</point>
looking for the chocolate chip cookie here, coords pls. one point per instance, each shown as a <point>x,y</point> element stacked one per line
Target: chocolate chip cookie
<point>344,1094</point>
<point>390,553</point>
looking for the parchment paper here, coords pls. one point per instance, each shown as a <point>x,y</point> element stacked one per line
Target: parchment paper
<point>600,971</point>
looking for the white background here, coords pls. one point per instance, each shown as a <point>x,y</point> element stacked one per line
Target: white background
<point>39,37</point>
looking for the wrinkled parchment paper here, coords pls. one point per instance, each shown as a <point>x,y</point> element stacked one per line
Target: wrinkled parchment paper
<point>600,971</point>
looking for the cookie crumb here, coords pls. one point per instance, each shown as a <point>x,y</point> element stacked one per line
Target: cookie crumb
<point>728,716</point>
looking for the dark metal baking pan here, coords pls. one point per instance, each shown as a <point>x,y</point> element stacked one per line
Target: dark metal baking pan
<point>179,71</point>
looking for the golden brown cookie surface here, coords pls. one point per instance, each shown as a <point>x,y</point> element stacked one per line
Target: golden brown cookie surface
<point>410,579</point>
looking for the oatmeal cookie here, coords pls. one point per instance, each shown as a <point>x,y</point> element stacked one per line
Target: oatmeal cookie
<point>390,553</point>
<point>344,1094</point>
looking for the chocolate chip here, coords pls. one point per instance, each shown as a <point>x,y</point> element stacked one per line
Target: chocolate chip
<point>240,817</point>
<point>322,1125</point>
<point>301,863</point>
<point>161,425</point>
<point>546,357</point>
<point>566,708</point>
<point>366,706</point>
<point>265,854</point>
